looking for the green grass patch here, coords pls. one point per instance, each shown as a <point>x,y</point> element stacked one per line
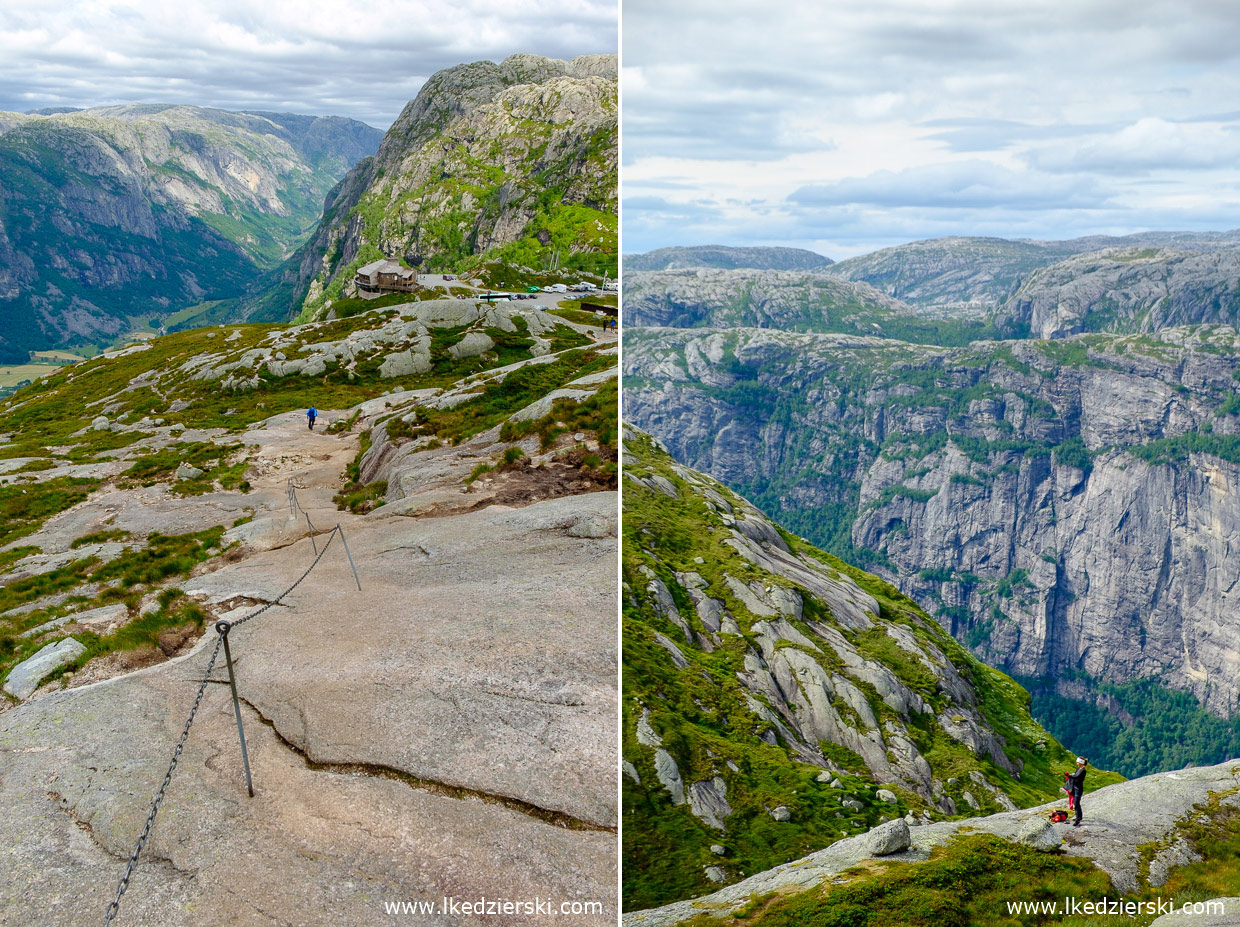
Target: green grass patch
<point>99,537</point>
<point>579,316</point>
<point>360,499</point>
<point>965,883</point>
<point>162,556</point>
<point>499,399</point>
<point>24,507</point>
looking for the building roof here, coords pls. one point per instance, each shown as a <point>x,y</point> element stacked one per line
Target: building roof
<point>386,266</point>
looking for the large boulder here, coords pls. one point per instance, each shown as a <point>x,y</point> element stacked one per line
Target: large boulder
<point>1039,833</point>
<point>473,344</point>
<point>892,837</point>
<point>26,676</point>
<point>404,364</point>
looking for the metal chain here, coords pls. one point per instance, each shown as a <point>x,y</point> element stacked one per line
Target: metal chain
<point>176,754</point>
<point>278,599</point>
<point>295,506</point>
<point>159,796</point>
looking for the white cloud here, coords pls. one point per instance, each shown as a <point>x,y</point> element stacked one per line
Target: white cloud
<point>1149,144</point>
<point>920,117</point>
<point>358,58</point>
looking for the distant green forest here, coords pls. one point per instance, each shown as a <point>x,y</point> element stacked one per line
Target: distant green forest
<point>1169,729</point>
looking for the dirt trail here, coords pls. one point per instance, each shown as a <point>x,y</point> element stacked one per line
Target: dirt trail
<point>448,731</point>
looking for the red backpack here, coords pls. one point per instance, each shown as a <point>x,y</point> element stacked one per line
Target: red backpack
<point>1058,816</point>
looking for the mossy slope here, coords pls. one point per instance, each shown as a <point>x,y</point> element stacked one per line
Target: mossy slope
<point>793,687</point>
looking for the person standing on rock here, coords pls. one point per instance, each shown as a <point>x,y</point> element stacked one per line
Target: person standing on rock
<point>1076,787</point>
<point>312,413</point>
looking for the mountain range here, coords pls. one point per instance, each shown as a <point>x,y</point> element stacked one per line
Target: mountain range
<point>1061,501</point>
<point>500,169</point>
<point>116,216</point>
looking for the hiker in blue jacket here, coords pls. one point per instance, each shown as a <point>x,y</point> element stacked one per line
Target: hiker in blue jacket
<point>312,413</point>
<point>1076,787</point>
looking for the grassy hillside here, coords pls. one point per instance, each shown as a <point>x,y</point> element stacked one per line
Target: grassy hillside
<point>692,692</point>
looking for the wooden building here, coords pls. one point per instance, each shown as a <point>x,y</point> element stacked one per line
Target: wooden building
<point>385,276</point>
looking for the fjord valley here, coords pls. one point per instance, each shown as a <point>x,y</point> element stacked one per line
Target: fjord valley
<point>1035,442</point>
<point>141,217</point>
<point>420,587</point>
<point>777,699</point>
<point>117,218</point>
<point>804,744</point>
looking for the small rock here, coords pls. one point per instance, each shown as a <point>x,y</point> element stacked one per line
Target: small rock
<point>187,472</point>
<point>781,813</point>
<point>892,837</point>
<point>631,771</point>
<point>912,821</point>
<point>823,777</point>
<point>715,874</point>
<point>591,526</point>
<point>26,676</point>
<point>99,619</point>
<point>1039,834</point>
<point>835,784</point>
<point>717,849</point>
<point>100,423</point>
<point>970,800</point>
<point>886,795</point>
<point>853,805</point>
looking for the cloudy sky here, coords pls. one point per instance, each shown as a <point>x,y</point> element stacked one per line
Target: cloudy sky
<point>360,58</point>
<point>856,124</point>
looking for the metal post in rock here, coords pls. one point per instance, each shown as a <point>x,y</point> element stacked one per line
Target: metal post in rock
<point>222,628</point>
<point>340,531</point>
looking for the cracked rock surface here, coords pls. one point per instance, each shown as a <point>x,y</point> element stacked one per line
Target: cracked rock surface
<point>448,731</point>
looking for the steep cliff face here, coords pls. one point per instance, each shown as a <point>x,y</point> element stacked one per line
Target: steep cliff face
<point>1128,289</point>
<point>777,698</point>
<point>1057,505</point>
<point>514,162</point>
<point>137,211</point>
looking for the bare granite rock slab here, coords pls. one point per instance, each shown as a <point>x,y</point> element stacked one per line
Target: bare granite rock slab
<point>1216,912</point>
